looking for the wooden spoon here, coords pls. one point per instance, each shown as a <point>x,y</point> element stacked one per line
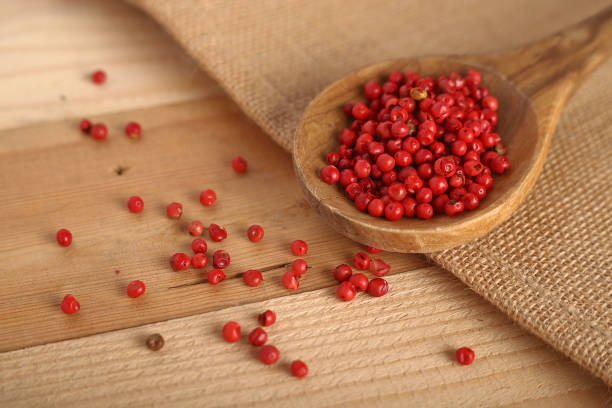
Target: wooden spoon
<point>532,84</point>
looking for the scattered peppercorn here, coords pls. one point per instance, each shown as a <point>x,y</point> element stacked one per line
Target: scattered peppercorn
<point>199,260</point>
<point>155,342</point>
<point>258,337</point>
<point>133,130</point>
<point>215,276</point>
<point>174,210</point>
<point>198,245</point>
<point>299,369</point>
<point>299,247</point>
<point>231,332</point>
<point>208,197</point>
<point>195,228</point>
<point>98,77</point>
<point>378,287</point>
<point>99,131</point>
<point>64,237</point>
<point>290,280</point>
<point>361,261</point>
<point>255,233</point>
<point>342,272</point>
<point>360,281</point>
<point>266,318</point>
<point>221,259</point>
<point>70,305</point>
<point>180,261</point>
<point>239,164</point>
<point>299,267</point>
<point>85,126</point>
<point>379,267</point>
<point>135,204</point>
<point>252,277</point>
<point>346,291</point>
<point>269,354</point>
<point>465,356</point>
<point>136,288</point>
<point>216,233</point>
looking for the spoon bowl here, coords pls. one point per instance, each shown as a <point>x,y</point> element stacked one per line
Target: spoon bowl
<point>530,101</point>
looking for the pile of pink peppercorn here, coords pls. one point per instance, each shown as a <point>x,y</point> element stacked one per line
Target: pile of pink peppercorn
<point>419,146</point>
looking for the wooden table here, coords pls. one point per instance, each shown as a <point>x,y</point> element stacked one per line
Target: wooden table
<point>391,351</point>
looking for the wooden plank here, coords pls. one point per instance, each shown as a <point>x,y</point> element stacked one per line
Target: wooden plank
<point>71,181</point>
<point>49,48</point>
<point>392,351</point>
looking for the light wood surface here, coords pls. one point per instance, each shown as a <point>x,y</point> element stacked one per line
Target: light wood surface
<point>392,351</point>
<point>395,350</point>
<point>532,84</point>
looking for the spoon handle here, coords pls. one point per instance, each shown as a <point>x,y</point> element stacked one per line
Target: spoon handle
<point>561,61</point>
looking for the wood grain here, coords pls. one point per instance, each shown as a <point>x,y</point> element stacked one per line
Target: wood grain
<point>532,84</point>
<point>392,351</point>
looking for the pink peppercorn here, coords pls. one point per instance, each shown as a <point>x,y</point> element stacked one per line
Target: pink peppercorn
<point>342,272</point>
<point>239,164</point>
<point>255,233</point>
<point>99,131</point>
<point>215,276</point>
<point>290,280</point>
<point>379,267</point>
<point>465,356</point>
<point>299,369</point>
<point>64,237</point>
<point>136,288</point>
<point>231,332</point>
<point>360,281</point>
<point>378,287</point>
<point>330,174</point>
<point>258,337</point>
<point>252,277</point>
<point>208,197</point>
<point>135,204</point>
<point>269,354</point>
<point>98,77</point>
<point>85,126</point>
<point>299,267</point>
<point>361,261</point>
<point>346,291</point>
<point>198,245</point>
<point>299,247</point>
<point>195,228</point>
<point>133,130</point>
<point>199,261</point>
<point>180,261</point>
<point>267,318</point>
<point>221,259</point>
<point>216,233</point>
<point>70,305</point>
<point>174,210</point>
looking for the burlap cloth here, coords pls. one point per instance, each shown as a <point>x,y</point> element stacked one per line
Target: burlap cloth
<point>549,266</point>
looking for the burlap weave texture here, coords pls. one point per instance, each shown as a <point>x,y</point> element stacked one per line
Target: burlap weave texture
<point>549,266</point>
